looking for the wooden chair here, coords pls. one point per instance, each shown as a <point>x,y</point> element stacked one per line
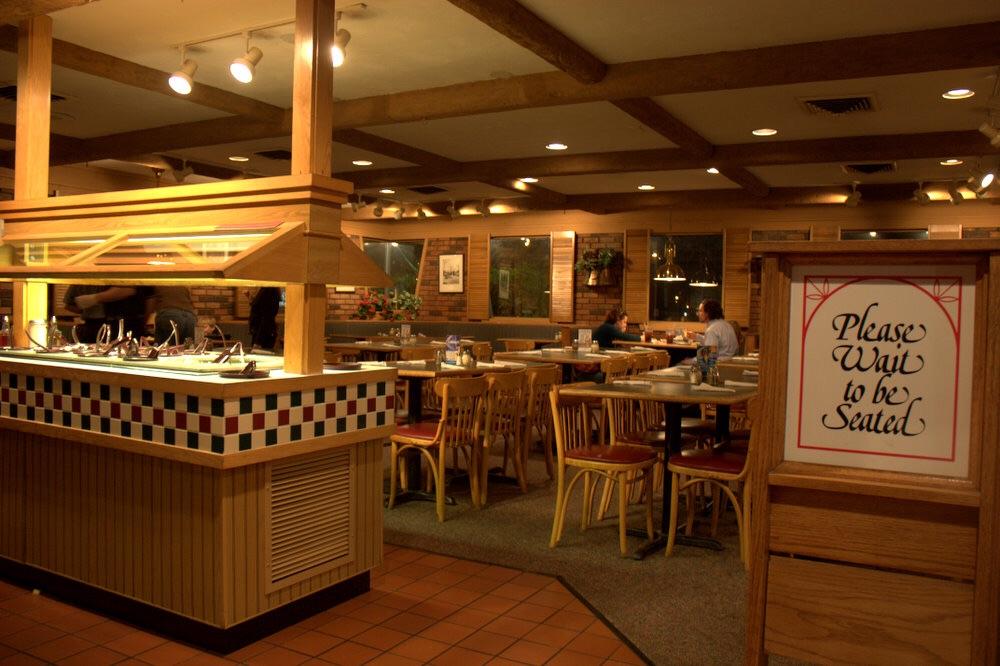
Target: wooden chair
<point>661,359</point>
<point>538,414</point>
<point>459,427</point>
<point>616,368</point>
<point>483,351</point>
<point>402,386</point>
<point>518,345</point>
<point>575,447</point>
<point>505,402</point>
<point>720,471</point>
<point>641,363</point>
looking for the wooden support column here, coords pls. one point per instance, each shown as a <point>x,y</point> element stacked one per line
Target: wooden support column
<point>31,159</point>
<point>312,129</point>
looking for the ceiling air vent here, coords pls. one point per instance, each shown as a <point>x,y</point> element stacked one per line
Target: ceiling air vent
<point>8,93</point>
<point>427,189</point>
<point>838,106</point>
<point>869,168</point>
<point>276,154</point>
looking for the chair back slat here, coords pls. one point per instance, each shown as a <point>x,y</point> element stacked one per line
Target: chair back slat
<point>613,368</point>
<point>518,345</point>
<point>505,402</point>
<point>571,420</point>
<point>462,402</point>
<point>416,353</point>
<point>661,359</point>
<point>641,363</point>
<point>541,379</point>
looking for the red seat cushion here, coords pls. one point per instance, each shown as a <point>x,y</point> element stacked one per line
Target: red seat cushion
<point>622,454</point>
<point>418,430</point>
<point>721,463</point>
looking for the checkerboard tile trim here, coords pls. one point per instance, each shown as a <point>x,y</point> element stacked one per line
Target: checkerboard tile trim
<point>206,424</point>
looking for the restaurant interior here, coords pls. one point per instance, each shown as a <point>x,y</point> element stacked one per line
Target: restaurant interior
<point>453,389</point>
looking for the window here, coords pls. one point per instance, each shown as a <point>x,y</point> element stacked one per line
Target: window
<point>399,259</point>
<point>700,260</point>
<point>519,276</point>
<point>883,234</point>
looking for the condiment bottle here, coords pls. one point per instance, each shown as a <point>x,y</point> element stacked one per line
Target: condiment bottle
<point>594,347</point>
<point>5,332</point>
<point>713,375</point>
<point>466,359</point>
<point>694,376</point>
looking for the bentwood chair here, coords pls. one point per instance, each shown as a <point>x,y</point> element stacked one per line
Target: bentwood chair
<point>483,351</point>
<point>402,387</point>
<point>661,359</point>
<point>641,363</point>
<point>576,448</point>
<point>616,368</point>
<point>518,345</point>
<point>459,427</point>
<point>538,414</point>
<point>504,407</point>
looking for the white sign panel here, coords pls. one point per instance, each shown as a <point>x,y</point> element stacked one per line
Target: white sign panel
<point>880,367</point>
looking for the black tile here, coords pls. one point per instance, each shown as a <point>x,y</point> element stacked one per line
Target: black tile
<point>169,436</point>
<point>85,422</point>
<point>147,398</point>
<point>192,405</point>
<point>67,387</point>
<point>126,428</point>
<point>218,444</point>
<point>170,401</point>
<point>47,384</point>
<point>29,382</point>
<point>380,389</point>
<point>362,421</point>
<point>341,425</point>
<point>192,438</point>
<point>246,441</point>
<point>84,389</point>
<point>105,425</point>
<point>125,395</point>
<point>341,393</point>
<point>296,397</point>
<point>30,413</point>
<point>296,433</point>
<point>218,407</point>
<point>67,419</point>
<point>104,392</point>
<point>13,381</point>
<point>380,419</point>
<point>362,390</point>
<point>147,432</point>
<point>13,411</point>
<point>271,401</point>
<point>246,405</point>
<point>48,416</point>
<point>319,396</point>
<point>271,437</point>
<point>320,428</point>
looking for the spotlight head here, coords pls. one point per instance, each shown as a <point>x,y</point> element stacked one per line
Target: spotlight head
<point>452,211</point>
<point>921,196</point>
<point>182,80</point>
<point>180,175</point>
<point>339,49</point>
<point>483,209</point>
<point>399,213</point>
<point>954,195</point>
<point>243,67</point>
<point>377,210</point>
<point>980,180</point>
<point>421,213</point>
<point>853,198</point>
<point>355,206</point>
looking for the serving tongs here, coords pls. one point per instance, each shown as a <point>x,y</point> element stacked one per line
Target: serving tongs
<point>227,354</point>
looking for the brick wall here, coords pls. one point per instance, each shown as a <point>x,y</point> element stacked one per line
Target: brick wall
<point>215,302</point>
<point>342,305</point>
<point>593,303</point>
<point>436,306</point>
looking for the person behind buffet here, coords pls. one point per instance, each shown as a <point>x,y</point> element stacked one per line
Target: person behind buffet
<point>173,304</point>
<point>718,333</point>
<point>126,303</point>
<point>93,316</point>
<point>264,305</point>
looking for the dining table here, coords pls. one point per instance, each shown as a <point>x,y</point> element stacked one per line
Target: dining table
<point>675,395</point>
<point>678,350</point>
<point>380,351</point>
<point>537,342</point>
<point>566,357</point>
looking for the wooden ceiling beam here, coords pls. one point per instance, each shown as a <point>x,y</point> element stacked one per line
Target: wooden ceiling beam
<point>95,63</point>
<point>958,47</point>
<point>771,153</point>
<point>664,123</point>
<point>524,27</point>
<point>14,11</point>
<point>389,148</point>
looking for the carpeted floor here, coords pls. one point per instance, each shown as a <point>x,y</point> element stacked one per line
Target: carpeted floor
<point>686,609</point>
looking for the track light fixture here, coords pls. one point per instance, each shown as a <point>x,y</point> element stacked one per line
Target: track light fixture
<point>921,196</point>
<point>243,67</point>
<point>980,180</point>
<point>399,212</point>
<point>452,210</point>
<point>854,197</point>
<point>954,195</point>
<point>421,213</point>
<point>357,204</point>
<point>182,80</point>
<point>181,174</point>
<point>339,49</point>
<point>483,209</point>
<point>990,132</point>
<point>377,210</point>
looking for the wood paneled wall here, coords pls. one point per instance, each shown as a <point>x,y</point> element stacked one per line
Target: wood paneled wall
<point>477,266</point>
<point>736,276</point>
<point>563,250</point>
<point>635,291</point>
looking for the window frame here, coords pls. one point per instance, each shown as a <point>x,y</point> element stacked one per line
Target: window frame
<point>512,319</point>
<point>693,325</point>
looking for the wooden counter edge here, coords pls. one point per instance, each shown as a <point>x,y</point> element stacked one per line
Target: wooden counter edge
<point>876,483</point>
<point>195,456</point>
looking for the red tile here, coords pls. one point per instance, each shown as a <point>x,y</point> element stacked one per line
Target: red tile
<point>95,656</point>
<point>349,653</point>
<point>420,648</point>
<point>548,635</point>
<point>60,648</point>
<point>345,627</point>
<point>21,659</point>
<point>459,597</point>
<point>512,591</point>
<point>391,582</point>
<point>551,598</point>
<point>436,561</point>
<point>570,658</point>
<point>167,654</point>
<point>312,643</point>
<point>205,659</point>
<point>36,634</point>
<point>625,655</point>
<point>493,604</point>
<point>436,610</point>
<point>594,645</point>
<point>374,613</point>
<point>381,638</point>
<point>530,612</point>
<point>570,620</point>
<point>400,602</point>
<point>405,555</point>
<point>601,629</point>
<point>466,567</point>
<point>13,624</point>
<point>410,623</point>
<point>488,642</point>
<point>510,626</point>
<point>390,659</point>
<point>446,577</point>
<point>501,661</point>
<point>422,588</point>
<point>105,632</point>
<point>248,651</point>
<point>285,634</point>
<point>134,643</point>
<point>499,573</point>
<point>277,656</point>
<point>477,584</point>
<point>447,632</point>
<point>527,652</point>
<point>470,617</point>
<point>532,580</point>
<point>75,621</point>
<point>458,656</point>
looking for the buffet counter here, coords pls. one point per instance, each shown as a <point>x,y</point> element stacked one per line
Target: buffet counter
<point>187,499</point>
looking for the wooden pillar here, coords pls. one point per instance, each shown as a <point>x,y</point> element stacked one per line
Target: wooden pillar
<point>31,150</point>
<point>312,138</point>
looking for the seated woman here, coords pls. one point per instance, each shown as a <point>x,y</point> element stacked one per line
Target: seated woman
<point>613,328</point>
<point>719,333</point>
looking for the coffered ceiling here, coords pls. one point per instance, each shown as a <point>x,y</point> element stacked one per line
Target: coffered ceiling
<point>464,95</point>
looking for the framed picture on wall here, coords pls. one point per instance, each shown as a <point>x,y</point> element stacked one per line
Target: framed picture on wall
<point>450,273</point>
<point>503,281</point>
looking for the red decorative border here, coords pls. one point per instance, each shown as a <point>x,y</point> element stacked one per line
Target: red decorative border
<point>941,293</point>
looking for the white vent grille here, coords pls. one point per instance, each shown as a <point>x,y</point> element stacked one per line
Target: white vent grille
<point>310,516</point>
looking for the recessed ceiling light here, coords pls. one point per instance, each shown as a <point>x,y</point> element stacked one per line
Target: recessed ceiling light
<point>239,158</point>
<point>362,163</point>
<point>386,190</point>
<point>556,146</point>
<point>529,179</point>
<point>712,170</point>
<point>951,162</point>
<point>764,131</point>
<point>958,93</point>
<point>647,187</point>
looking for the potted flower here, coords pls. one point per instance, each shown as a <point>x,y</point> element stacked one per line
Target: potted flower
<point>407,305</point>
<point>373,304</point>
<point>607,261</point>
<point>589,263</point>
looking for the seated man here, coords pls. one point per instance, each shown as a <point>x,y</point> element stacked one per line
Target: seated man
<point>613,328</point>
<point>719,333</point>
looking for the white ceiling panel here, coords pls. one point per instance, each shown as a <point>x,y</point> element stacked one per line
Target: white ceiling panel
<point>629,182</point>
<point>804,175</point>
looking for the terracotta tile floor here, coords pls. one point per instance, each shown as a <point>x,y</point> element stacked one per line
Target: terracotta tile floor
<point>423,609</point>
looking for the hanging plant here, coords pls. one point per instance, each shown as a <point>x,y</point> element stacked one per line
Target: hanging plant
<point>599,264</point>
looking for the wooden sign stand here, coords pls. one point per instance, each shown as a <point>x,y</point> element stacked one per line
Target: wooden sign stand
<point>866,560</point>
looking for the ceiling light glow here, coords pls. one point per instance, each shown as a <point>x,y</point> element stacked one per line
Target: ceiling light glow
<point>958,93</point>
<point>239,158</point>
<point>951,162</point>
<point>556,146</point>
<point>387,190</point>
<point>182,80</point>
<point>528,179</point>
<point>242,69</point>
<point>712,170</point>
<point>362,162</point>
<point>764,131</point>
<point>647,188</point>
